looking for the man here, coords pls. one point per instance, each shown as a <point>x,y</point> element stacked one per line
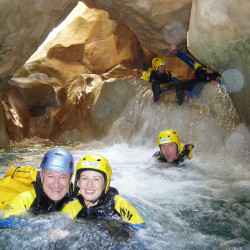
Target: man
<point>171,150</point>
<point>158,75</point>
<point>202,75</point>
<point>51,191</point>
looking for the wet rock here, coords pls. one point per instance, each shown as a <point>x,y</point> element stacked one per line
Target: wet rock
<point>24,98</point>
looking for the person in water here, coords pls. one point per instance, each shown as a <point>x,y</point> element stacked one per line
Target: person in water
<point>202,76</point>
<point>171,149</point>
<point>95,199</point>
<point>51,191</point>
<point>157,75</point>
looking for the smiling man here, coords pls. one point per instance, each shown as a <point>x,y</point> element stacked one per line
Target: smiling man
<point>171,149</point>
<point>51,191</point>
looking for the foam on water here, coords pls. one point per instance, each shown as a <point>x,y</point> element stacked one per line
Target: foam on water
<point>204,205</point>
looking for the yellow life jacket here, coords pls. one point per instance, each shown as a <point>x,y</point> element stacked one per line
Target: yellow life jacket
<point>182,145</point>
<point>127,212</point>
<point>15,181</point>
<point>146,76</point>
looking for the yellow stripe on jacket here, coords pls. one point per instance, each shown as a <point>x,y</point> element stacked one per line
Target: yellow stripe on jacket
<point>127,212</point>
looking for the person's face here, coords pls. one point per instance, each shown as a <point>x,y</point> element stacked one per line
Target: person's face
<point>161,69</point>
<point>169,151</point>
<point>55,183</point>
<point>91,184</point>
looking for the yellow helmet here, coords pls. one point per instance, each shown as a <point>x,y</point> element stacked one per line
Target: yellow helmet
<point>95,163</point>
<point>157,62</point>
<point>169,136</point>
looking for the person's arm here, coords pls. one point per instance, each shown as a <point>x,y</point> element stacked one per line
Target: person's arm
<point>173,79</point>
<point>72,208</point>
<point>18,206</point>
<point>189,61</point>
<point>12,222</point>
<point>128,213</point>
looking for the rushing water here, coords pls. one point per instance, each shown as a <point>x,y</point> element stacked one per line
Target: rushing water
<point>205,205</point>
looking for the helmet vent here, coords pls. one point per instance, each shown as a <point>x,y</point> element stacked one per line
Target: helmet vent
<point>58,154</point>
<point>45,159</point>
<point>71,165</point>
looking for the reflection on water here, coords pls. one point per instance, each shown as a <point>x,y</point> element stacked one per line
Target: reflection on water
<point>205,205</point>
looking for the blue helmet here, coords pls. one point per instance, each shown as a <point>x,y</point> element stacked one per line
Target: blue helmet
<point>58,159</point>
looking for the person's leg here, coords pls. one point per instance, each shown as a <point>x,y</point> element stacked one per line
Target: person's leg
<point>180,95</point>
<point>198,88</point>
<point>156,91</point>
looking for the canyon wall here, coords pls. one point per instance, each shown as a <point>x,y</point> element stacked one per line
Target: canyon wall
<point>107,39</point>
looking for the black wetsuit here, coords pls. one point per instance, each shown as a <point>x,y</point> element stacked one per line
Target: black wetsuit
<point>156,80</point>
<point>43,204</point>
<point>104,208</point>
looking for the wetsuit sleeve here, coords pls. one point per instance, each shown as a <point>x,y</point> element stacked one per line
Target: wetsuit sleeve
<point>173,79</point>
<point>189,61</point>
<point>20,204</point>
<point>170,77</point>
<point>128,213</point>
<point>72,208</point>
<point>12,222</point>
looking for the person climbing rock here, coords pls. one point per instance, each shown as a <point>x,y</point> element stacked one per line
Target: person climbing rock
<point>202,76</point>
<point>157,75</point>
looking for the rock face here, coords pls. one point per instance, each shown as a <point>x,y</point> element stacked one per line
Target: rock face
<point>219,36</point>
<point>24,99</point>
<point>218,33</point>
<point>157,23</point>
<point>56,96</point>
<point>25,25</point>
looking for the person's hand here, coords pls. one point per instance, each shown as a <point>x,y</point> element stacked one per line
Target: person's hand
<point>213,82</point>
<point>173,49</point>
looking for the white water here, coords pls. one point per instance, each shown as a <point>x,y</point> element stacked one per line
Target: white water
<point>205,205</point>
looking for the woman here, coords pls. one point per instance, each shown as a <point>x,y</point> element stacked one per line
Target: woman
<point>95,198</point>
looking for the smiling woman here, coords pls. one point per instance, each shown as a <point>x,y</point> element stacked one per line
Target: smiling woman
<point>96,199</point>
<point>91,184</point>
